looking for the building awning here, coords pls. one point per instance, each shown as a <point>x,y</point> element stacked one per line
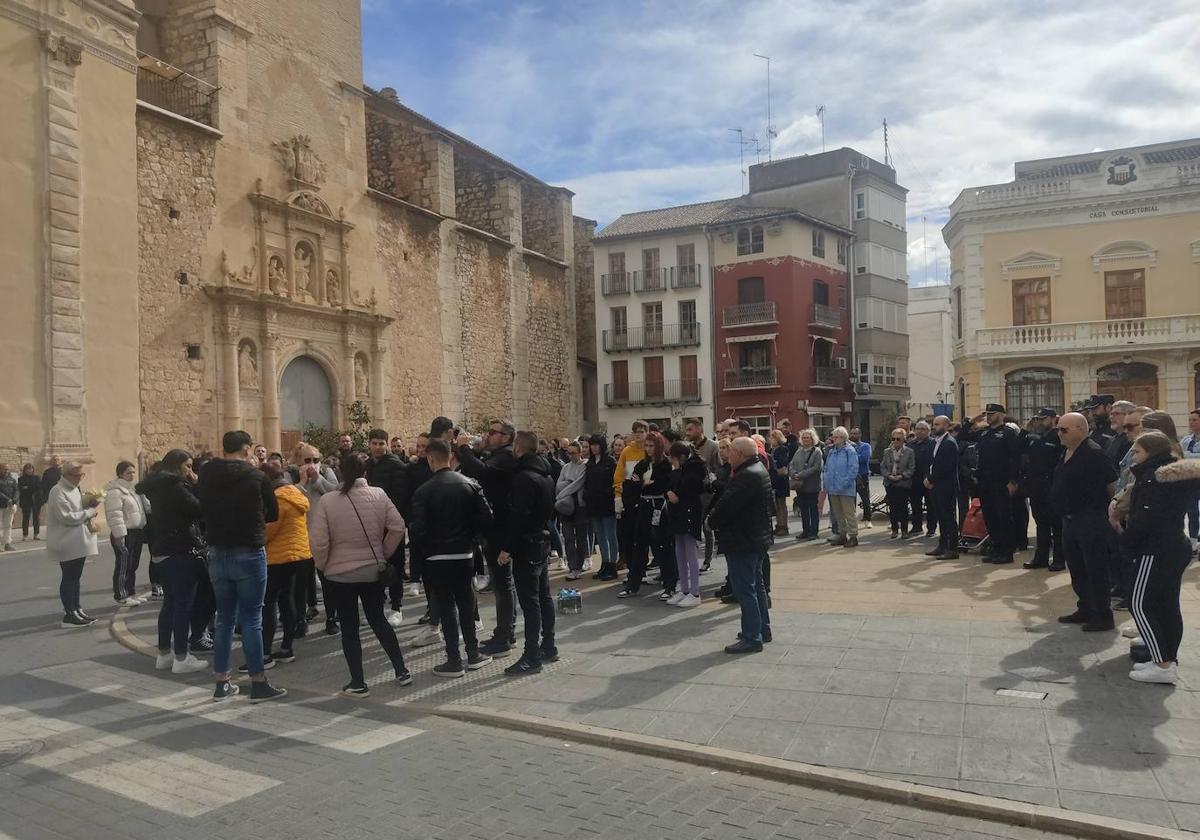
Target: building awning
<point>817,338</point>
<point>735,339</point>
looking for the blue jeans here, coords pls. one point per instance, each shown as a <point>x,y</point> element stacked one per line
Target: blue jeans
<point>179,574</point>
<point>239,580</point>
<point>746,579</point>
<point>605,529</point>
<point>556,542</point>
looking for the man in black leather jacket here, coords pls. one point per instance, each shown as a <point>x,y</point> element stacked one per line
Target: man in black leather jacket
<point>525,544</point>
<point>390,474</point>
<point>495,474</point>
<point>741,519</point>
<point>450,513</point>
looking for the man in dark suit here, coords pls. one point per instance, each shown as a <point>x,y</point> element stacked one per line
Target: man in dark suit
<point>942,486</point>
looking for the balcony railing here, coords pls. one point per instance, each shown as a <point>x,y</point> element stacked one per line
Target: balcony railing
<point>685,277</point>
<point>663,391</point>
<point>745,314</point>
<point>171,89</point>
<point>1165,331</point>
<point>647,338</point>
<point>615,284</point>
<point>826,376</point>
<point>652,280</point>
<point>825,316</point>
<point>751,377</point>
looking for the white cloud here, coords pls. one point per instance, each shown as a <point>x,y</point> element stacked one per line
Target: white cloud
<point>630,104</point>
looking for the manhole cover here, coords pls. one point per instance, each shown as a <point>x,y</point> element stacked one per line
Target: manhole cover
<point>13,751</point>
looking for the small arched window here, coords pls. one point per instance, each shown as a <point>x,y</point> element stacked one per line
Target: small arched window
<point>750,240</point>
<point>743,241</point>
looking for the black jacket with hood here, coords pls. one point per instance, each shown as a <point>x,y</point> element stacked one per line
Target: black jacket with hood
<point>686,516</point>
<point>598,496</point>
<point>741,514</point>
<point>532,505</point>
<point>390,474</point>
<point>495,476</point>
<point>237,501</point>
<point>175,527</point>
<point>1164,490</point>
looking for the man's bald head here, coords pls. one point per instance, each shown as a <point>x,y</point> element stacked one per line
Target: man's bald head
<point>741,450</point>
<point>1072,429</point>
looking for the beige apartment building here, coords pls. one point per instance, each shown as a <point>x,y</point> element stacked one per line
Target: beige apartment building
<point>210,223</point>
<point>1080,276</point>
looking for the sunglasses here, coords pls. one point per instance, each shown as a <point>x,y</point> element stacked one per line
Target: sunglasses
<point>495,431</point>
<point>312,460</point>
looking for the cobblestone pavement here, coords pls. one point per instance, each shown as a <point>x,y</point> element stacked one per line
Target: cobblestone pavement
<point>952,674</point>
<point>96,745</point>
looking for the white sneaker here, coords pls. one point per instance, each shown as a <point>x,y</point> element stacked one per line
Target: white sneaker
<point>395,618</point>
<point>562,564</point>
<point>1129,630</point>
<point>480,582</point>
<point>1136,640</point>
<point>676,598</point>
<point>130,602</point>
<point>688,601</point>
<point>1154,674</point>
<point>164,661</point>
<point>1137,666</point>
<point>414,589</point>
<point>427,637</point>
<point>587,564</point>
<point>189,665</point>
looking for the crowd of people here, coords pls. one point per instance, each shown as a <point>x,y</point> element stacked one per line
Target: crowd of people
<point>245,542</point>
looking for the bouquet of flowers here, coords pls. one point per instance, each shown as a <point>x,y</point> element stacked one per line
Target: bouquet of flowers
<point>90,498</point>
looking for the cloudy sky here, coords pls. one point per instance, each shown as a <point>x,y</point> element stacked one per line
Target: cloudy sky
<point>629,103</point>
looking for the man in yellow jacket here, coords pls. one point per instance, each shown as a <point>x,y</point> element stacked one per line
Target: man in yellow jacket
<point>287,547</point>
<point>627,491</point>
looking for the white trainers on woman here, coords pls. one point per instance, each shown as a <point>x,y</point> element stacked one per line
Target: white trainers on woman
<point>1155,674</point>
<point>188,665</point>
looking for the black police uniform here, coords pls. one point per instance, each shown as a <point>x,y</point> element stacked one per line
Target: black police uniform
<point>1042,454</point>
<point>999,464</point>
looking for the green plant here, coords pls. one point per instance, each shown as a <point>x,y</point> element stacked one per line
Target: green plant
<point>326,439</point>
<point>322,438</point>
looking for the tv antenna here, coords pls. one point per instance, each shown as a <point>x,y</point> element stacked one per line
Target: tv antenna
<point>887,152</point>
<point>771,132</point>
<point>743,142</point>
<point>821,118</point>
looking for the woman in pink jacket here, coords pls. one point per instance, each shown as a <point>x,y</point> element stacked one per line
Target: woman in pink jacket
<point>354,530</point>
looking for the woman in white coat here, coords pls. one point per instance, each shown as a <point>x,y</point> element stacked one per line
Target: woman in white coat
<point>70,540</point>
<point>125,513</point>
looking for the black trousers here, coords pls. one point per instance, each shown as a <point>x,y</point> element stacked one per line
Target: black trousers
<point>943,510</point>
<point>346,597</point>
<point>897,501</point>
<point>918,500</point>
<point>531,573</point>
<point>328,602</point>
<point>1049,528</point>
<point>449,584</point>
<point>31,513</point>
<point>664,552</point>
<point>997,515</point>
<point>305,587</point>
<point>126,558</point>
<point>279,605</point>
<point>1155,599</point>
<point>863,485</point>
<point>1086,548</point>
<point>810,519</point>
<point>204,607</point>
<point>1020,520</point>
<point>504,590</point>
<point>396,593</point>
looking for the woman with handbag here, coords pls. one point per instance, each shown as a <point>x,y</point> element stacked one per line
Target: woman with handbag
<point>71,539</point>
<point>805,475</point>
<point>177,553</point>
<point>653,474</point>
<point>355,529</point>
<point>572,513</point>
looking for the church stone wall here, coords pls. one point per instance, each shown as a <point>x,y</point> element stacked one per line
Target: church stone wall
<point>550,363</point>
<point>542,220</point>
<point>585,288</point>
<point>476,195</point>
<point>482,271</point>
<point>176,201</point>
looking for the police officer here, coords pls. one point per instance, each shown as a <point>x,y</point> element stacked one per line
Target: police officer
<point>1096,410</point>
<point>999,467</point>
<point>1043,451</point>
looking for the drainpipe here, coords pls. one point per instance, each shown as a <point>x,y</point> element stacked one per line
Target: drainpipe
<point>712,324</point>
<point>852,327</point>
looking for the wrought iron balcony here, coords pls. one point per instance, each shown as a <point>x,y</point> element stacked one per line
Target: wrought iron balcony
<point>751,377</point>
<point>825,316</point>
<point>660,392</point>
<point>685,277</point>
<point>171,89</point>
<point>655,337</point>
<point>747,314</point>
<point>615,284</point>
<point>827,376</point>
<point>653,280</point>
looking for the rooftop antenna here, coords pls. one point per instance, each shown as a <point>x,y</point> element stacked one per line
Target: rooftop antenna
<point>887,152</point>
<point>741,160</point>
<point>771,132</point>
<point>821,117</point>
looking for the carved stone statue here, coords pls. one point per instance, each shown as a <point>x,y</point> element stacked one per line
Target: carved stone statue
<point>247,366</point>
<point>361,385</point>
<point>300,161</point>
<point>276,281</point>
<point>333,292</point>
<point>302,260</point>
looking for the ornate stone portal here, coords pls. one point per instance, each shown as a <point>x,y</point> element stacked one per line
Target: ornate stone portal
<point>297,300</point>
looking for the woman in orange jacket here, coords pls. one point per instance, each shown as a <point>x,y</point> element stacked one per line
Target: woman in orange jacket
<point>287,546</point>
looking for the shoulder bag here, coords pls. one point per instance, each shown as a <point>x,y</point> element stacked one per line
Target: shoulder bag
<point>388,576</point>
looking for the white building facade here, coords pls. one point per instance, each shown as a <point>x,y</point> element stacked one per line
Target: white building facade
<point>931,347</point>
<point>654,325</point>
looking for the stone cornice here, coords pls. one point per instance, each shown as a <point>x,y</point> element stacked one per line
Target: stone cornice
<point>268,302</point>
<point>104,28</point>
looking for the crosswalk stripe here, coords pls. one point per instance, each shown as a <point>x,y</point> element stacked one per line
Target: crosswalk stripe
<point>175,782</point>
<point>298,721</point>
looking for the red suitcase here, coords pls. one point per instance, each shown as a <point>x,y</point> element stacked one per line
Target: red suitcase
<point>973,533</point>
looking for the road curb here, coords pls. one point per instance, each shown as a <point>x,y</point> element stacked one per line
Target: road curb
<point>1061,820</point>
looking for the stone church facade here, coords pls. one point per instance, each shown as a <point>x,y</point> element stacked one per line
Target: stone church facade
<point>231,231</point>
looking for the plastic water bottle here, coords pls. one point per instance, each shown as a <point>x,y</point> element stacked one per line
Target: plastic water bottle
<point>570,601</point>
